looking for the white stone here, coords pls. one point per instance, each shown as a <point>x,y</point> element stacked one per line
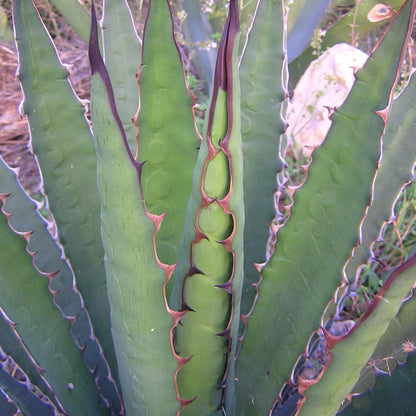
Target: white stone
<point>324,85</point>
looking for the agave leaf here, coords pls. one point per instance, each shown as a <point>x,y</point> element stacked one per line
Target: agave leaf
<point>247,12</point>
<point>141,323</point>
<point>122,54</point>
<point>167,136</point>
<point>353,26</point>
<point>29,299</point>
<point>391,349</point>
<point>392,395</point>
<point>62,141</point>
<point>349,353</point>
<point>261,125</point>
<point>396,168</point>
<point>304,17</point>
<point>198,31</point>
<point>13,346</point>
<point>317,239</point>
<point>212,273</point>
<point>76,15</point>
<point>16,385</point>
<point>8,406</point>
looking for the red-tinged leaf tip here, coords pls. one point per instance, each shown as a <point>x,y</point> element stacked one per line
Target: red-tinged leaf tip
<point>3,197</point>
<point>226,334</point>
<point>94,54</point>
<point>157,219</point>
<point>383,114</point>
<point>303,384</point>
<point>227,286</point>
<point>259,268</point>
<point>182,360</point>
<point>225,48</point>
<point>98,67</point>
<point>176,315</point>
<point>332,340</point>
<point>194,270</point>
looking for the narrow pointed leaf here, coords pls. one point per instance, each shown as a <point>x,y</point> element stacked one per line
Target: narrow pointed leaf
<point>76,15</point>
<point>353,26</point>
<point>13,346</point>
<point>18,388</point>
<point>168,141</point>
<point>392,348</point>
<point>198,30</point>
<point>396,169</point>
<point>122,52</point>
<point>392,395</point>
<point>316,241</point>
<point>63,144</point>
<point>304,18</point>
<point>211,271</point>
<point>348,356</point>
<point>261,126</point>
<point>39,322</point>
<point>141,323</point>
<point>7,406</point>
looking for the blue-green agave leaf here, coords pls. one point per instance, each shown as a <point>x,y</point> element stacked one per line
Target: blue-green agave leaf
<point>304,17</point>
<point>122,56</point>
<point>262,123</point>
<point>15,383</point>
<point>317,239</point>
<point>76,15</point>
<point>62,141</point>
<point>349,353</point>
<point>198,30</point>
<point>7,405</point>
<point>141,321</point>
<point>39,295</point>
<point>396,170</point>
<point>13,345</point>
<point>393,395</point>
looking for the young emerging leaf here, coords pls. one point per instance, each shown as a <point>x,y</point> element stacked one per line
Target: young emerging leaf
<point>212,273</point>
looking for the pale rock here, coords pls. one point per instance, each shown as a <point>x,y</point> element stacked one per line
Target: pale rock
<point>324,85</point>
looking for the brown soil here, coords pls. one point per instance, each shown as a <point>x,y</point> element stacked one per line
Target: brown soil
<point>13,126</point>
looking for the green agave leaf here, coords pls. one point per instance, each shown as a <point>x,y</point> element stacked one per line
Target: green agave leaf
<point>396,168</point>
<point>211,269</point>
<point>15,384</point>
<point>167,138</point>
<point>247,12</point>
<point>317,239</point>
<point>62,141</point>
<point>393,395</point>
<point>353,23</point>
<point>30,298</point>
<point>351,352</point>
<point>122,54</point>
<point>261,125</point>
<point>76,15</point>
<point>141,323</point>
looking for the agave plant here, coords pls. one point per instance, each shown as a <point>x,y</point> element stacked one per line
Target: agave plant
<point>182,287</point>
